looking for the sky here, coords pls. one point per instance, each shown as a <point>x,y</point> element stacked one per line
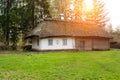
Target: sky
<point>113,7</point>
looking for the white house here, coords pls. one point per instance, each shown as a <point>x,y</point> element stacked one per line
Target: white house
<point>69,35</point>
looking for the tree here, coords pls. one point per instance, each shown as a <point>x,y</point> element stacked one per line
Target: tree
<point>1,20</point>
<point>4,21</point>
<point>109,28</point>
<point>98,14</point>
<point>59,7</point>
<point>116,34</point>
<point>78,9</point>
<point>20,16</point>
<point>31,14</point>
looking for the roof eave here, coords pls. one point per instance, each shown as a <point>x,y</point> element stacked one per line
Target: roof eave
<point>31,36</point>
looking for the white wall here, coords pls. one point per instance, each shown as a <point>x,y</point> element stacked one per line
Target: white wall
<point>57,44</point>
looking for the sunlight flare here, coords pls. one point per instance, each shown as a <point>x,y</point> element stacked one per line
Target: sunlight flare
<point>88,4</point>
<point>72,7</point>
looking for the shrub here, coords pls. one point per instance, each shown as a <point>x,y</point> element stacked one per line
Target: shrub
<point>3,46</point>
<point>27,47</point>
<point>115,45</point>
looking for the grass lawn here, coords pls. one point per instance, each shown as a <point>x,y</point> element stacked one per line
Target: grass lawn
<point>102,65</point>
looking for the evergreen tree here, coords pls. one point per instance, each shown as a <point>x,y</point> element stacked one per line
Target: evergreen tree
<point>98,14</point>
<point>20,16</point>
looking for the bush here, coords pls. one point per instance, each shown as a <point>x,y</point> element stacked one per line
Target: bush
<point>27,47</point>
<point>115,45</point>
<point>3,46</point>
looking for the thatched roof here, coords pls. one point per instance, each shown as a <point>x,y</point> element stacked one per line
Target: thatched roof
<point>58,28</point>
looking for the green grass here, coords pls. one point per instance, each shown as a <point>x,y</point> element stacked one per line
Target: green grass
<point>102,65</point>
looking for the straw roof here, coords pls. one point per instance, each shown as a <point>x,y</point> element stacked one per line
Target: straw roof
<point>61,28</point>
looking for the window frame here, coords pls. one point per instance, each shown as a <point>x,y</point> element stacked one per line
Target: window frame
<point>38,41</point>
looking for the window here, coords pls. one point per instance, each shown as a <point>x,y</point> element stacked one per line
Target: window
<point>64,41</point>
<point>50,42</point>
<point>38,41</point>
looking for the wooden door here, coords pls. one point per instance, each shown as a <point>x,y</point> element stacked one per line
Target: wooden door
<point>82,45</point>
